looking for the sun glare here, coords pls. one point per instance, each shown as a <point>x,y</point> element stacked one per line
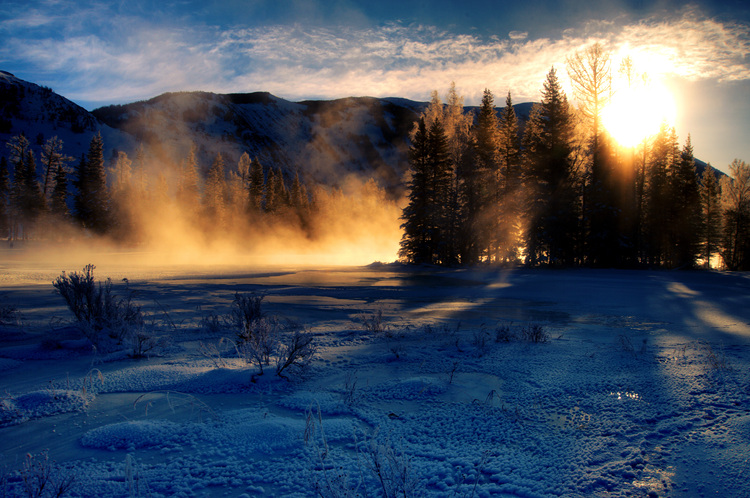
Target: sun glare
<point>637,112</point>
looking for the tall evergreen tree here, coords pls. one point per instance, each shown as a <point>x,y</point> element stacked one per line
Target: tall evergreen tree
<point>59,197</point>
<point>553,208</point>
<point>256,186</point>
<point>52,159</point>
<point>481,185</point>
<point>414,242</point>
<point>188,189</point>
<point>440,184</point>
<point>657,202</point>
<point>214,193</point>
<point>26,201</point>
<point>736,196</point>
<point>92,198</point>
<point>4,196</point>
<point>685,202</point>
<point>710,199</point>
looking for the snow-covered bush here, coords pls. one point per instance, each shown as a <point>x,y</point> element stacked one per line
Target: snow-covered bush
<point>295,354</point>
<point>9,314</point>
<point>40,477</point>
<point>246,311</point>
<point>98,309</point>
<point>535,333</point>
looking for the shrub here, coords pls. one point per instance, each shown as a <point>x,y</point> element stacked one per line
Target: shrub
<point>295,353</point>
<point>535,333</point>
<point>246,311</point>
<point>9,314</point>
<point>42,477</point>
<point>373,322</point>
<point>97,308</point>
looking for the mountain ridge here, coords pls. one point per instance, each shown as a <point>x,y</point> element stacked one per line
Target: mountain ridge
<point>326,142</point>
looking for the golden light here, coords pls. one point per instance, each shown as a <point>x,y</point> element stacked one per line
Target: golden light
<point>637,112</point>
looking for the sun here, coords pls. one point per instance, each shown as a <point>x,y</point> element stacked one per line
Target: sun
<point>637,111</point>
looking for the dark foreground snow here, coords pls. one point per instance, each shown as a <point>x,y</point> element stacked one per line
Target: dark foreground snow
<point>643,387</point>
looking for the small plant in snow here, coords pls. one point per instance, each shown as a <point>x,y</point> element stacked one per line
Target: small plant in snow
<point>9,314</point>
<point>534,333</point>
<point>716,360</point>
<point>41,477</point>
<point>96,308</point>
<point>295,354</point>
<point>246,311</point>
<point>373,322</point>
<point>503,333</point>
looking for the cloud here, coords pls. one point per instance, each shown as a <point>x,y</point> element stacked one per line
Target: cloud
<point>129,58</point>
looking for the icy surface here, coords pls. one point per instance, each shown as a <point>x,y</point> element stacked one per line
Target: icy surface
<point>642,388</point>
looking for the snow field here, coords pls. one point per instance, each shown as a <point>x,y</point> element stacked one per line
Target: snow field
<point>627,398</point>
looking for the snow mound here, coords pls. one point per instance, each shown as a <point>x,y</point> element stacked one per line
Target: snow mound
<point>248,430</point>
<point>410,388</point>
<point>37,404</point>
<point>329,403</point>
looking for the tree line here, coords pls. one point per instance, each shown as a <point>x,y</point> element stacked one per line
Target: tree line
<point>563,192</point>
<point>117,200</point>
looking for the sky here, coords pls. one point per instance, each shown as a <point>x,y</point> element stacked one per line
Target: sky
<point>101,53</point>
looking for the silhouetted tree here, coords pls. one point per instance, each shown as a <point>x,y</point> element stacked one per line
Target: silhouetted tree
<point>415,246</point>
<point>710,199</point>
<point>52,159</point>
<point>509,152</point>
<point>552,209</point>
<point>4,195</point>
<point>256,186</point>
<point>92,199</point>
<point>59,197</point>
<point>736,197</point>
<point>686,215</point>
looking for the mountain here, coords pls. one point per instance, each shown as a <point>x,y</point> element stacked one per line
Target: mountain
<point>326,142</point>
<point>40,114</point>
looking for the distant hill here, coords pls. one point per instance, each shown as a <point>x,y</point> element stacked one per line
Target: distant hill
<point>326,142</point>
<point>40,114</point>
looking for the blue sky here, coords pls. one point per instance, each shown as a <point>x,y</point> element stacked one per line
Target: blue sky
<point>99,53</point>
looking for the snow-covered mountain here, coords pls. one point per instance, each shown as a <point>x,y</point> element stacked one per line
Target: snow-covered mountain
<point>325,141</point>
<point>40,114</point>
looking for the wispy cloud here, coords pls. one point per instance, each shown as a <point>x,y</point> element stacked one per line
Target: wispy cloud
<point>130,59</point>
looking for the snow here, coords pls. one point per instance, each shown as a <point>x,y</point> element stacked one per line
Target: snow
<point>642,388</point>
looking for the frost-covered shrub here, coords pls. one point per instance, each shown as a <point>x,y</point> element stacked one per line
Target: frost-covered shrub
<point>97,308</point>
<point>373,322</point>
<point>9,314</point>
<point>535,333</point>
<point>41,477</point>
<point>246,311</point>
<point>295,354</point>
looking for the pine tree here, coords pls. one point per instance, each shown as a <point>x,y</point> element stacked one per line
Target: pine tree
<point>710,198</point>
<point>553,210</point>
<point>59,197</point>
<point>657,202</point>
<point>414,242</point>
<point>214,193</point>
<point>52,159</point>
<point>188,190</point>
<point>685,202</point>
<point>4,195</point>
<point>26,201</point>
<point>736,196</point>
<point>482,182</point>
<point>510,161</point>
<point>256,186</point>
<point>92,198</point>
